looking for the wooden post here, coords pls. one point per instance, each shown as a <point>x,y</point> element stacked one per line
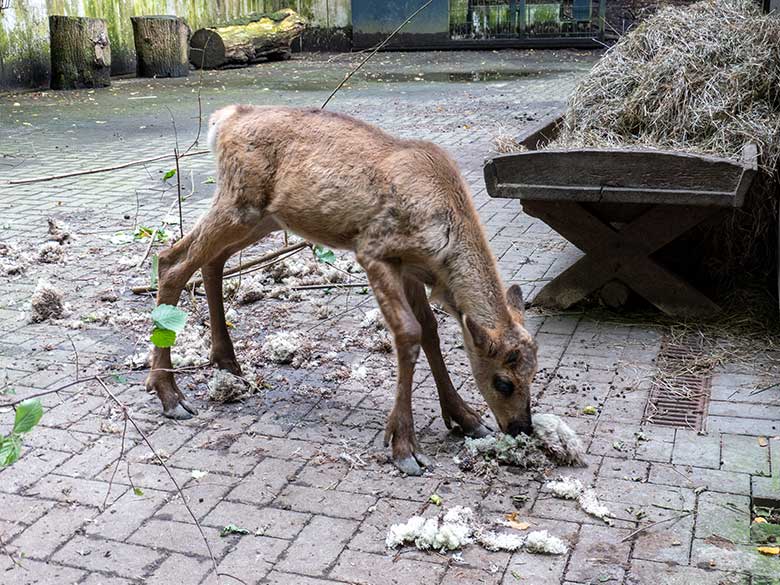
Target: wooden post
<point>245,41</point>
<point>80,52</point>
<point>161,46</point>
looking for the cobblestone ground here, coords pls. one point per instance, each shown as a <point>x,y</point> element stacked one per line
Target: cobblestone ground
<point>300,465</point>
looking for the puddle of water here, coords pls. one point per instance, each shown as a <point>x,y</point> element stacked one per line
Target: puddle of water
<point>454,76</point>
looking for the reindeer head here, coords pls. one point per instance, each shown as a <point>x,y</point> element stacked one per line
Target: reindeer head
<point>503,361</point>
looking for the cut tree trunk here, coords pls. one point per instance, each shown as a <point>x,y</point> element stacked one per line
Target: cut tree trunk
<point>80,52</point>
<point>161,46</point>
<point>245,41</point>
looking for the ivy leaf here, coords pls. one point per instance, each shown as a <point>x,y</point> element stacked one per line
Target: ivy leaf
<point>163,337</point>
<point>169,317</point>
<point>169,174</point>
<point>10,449</point>
<point>323,254</point>
<point>28,414</point>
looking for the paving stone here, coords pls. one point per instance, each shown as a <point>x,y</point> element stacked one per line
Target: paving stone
<point>643,572</point>
<point>371,535</point>
<point>75,491</point>
<point>317,546</point>
<point>253,557</point>
<point>370,569</point>
<point>691,448</point>
<point>126,514</point>
<point>343,505</point>
<point>669,542</point>
<point>722,555</point>
<point>744,455</point>
<point>123,559</point>
<point>201,495</point>
<point>695,477</point>
<point>55,528</point>
<point>537,569</point>
<point>724,516</point>
<point>279,578</point>
<point>39,573</point>
<point>600,555</point>
<point>180,569</point>
<point>33,465</point>
<point>265,481</point>
<point>265,521</point>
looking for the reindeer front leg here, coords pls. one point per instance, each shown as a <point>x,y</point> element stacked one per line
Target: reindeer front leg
<point>387,283</point>
<point>453,407</point>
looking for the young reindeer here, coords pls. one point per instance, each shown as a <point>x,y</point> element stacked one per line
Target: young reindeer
<point>405,211</point>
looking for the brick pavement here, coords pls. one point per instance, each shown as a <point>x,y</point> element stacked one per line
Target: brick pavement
<point>273,461</point>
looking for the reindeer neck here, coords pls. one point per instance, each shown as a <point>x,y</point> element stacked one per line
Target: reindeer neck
<point>473,282</point>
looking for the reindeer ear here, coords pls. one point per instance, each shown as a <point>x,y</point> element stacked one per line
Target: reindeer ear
<point>481,336</point>
<point>514,297</point>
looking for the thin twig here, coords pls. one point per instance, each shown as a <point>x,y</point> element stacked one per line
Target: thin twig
<point>265,258</point>
<point>649,526</point>
<point>374,52</point>
<point>116,468</point>
<point>128,417</point>
<point>103,169</point>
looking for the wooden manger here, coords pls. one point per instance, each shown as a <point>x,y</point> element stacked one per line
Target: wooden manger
<point>620,207</point>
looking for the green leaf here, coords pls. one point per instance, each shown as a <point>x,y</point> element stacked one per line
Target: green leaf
<point>10,449</point>
<point>232,529</point>
<point>163,337</point>
<point>209,181</point>
<point>155,270</point>
<point>119,379</point>
<point>8,390</point>
<point>169,317</point>
<point>435,499</point>
<point>169,174</point>
<point>28,413</point>
<point>323,254</point>
<point>138,491</point>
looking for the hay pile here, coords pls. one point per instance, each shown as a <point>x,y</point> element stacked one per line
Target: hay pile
<point>703,78</point>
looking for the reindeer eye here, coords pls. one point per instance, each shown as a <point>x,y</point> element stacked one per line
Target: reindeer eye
<point>503,385</point>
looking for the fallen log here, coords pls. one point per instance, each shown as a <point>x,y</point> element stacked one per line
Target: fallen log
<point>161,46</point>
<point>80,52</point>
<point>244,41</point>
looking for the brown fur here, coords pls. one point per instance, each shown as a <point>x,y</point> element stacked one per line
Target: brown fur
<point>405,211</point>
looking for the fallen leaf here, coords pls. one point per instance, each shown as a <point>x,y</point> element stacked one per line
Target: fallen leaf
<point>771,551</point>
<point>590,410</point>
<point>435,499</point>
<point>759,520</point>
<point>763,442</point>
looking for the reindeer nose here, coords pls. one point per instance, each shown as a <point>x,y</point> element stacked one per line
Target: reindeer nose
<point>516,427</point>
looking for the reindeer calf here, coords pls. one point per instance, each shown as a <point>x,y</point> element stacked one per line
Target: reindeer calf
<point>405,211</point>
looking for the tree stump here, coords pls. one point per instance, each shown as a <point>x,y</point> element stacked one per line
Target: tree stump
<point>80,52</point>
<point>247,40</point>
<point>161,46</point>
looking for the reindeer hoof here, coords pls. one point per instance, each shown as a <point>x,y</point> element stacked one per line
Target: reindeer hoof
<point>413,464</point>
<point>229,364</point>
<point>182,411</point>
<point>477,432</point>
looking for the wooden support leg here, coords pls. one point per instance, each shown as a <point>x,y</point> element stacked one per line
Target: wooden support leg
<point>623,255</point>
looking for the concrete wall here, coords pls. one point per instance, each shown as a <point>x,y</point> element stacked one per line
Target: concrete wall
<point>24,29</point>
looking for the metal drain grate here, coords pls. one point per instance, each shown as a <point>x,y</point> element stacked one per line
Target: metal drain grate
<point>681,388</point>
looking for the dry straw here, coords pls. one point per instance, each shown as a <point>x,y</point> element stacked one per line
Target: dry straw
<point>704,78</point>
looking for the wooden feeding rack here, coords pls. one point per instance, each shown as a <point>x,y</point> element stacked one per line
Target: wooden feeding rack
<point>620,206</point>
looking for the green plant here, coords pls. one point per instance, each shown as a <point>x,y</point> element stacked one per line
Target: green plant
<point>323,254</point>
<point>168,321</point>
<point>28,414</point>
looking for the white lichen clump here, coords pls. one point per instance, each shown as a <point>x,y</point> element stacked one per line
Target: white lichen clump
<point>558,439</point>
<point>46,303</point>
<point>453,532</point>
<point>541,542</point>
<point>569,488</point>
<point>225,387</point>
<point>282,347</point>
<point>495,541</point>
<point>50,253</point>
